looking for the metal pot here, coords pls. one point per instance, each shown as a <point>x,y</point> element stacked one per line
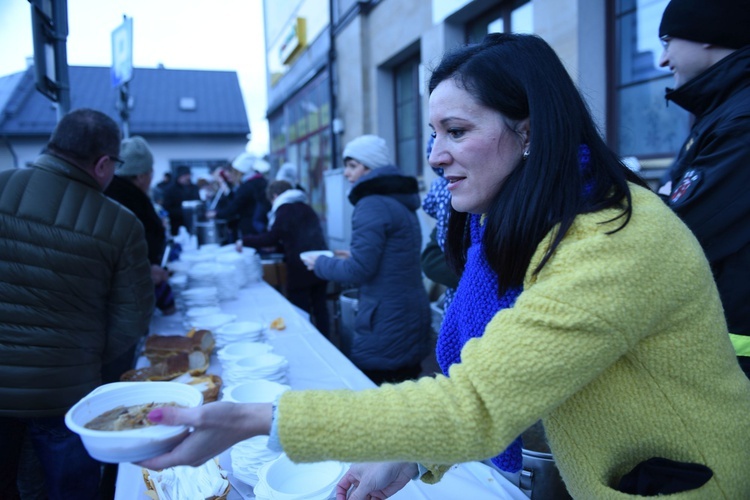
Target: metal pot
<point>193,211</point>
<point>540,478</point>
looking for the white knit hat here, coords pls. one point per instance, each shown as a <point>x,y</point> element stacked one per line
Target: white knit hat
<point>137,156</point>
<point>261,166</point>
<point>243,163</point>
<point>287,172</point>
<point>370,150</point>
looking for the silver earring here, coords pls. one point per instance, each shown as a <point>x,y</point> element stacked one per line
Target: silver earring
<point>525,155</point>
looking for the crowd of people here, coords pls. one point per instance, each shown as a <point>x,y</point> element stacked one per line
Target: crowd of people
<point>577,296</point>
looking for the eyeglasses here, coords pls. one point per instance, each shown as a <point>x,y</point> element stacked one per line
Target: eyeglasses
<point>116,160</point>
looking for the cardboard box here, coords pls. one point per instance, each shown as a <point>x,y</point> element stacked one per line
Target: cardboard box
<point>274,273</point>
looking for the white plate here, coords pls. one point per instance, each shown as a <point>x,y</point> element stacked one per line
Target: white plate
<point>305,256</point>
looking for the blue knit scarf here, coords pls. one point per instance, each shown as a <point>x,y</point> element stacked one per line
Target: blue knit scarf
<point>476,302</point>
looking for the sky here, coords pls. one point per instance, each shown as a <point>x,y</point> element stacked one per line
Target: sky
<point>180,34</point>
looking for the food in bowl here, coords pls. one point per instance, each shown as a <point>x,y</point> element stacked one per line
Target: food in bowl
<point>123,418</point>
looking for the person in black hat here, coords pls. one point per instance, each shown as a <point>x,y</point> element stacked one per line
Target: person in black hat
<point>707,47</point>
<point>181,189</point>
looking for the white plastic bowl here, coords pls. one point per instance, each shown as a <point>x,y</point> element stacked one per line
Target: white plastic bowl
<point>255,391</point>
<point>195,312</point>
<point>305,256</point>
<point>239,329</point>
<point>284,479</point>
<point>212,321</point>
<point>239,350</point>
<point>136,444</point>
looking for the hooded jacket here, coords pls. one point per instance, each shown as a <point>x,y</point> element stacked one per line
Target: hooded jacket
<point>296,228</point>
<point>711,175</point>
<point>392,324</point>
<point>75,286</point>
<point>249,205</point>
<point>130,196</point>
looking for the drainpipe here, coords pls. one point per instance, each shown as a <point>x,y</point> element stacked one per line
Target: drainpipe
<point>332,84</point>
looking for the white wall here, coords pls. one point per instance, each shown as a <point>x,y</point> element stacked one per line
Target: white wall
<point>164,150</point>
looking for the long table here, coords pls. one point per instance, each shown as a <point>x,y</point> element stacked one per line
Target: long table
<point>314,363</point>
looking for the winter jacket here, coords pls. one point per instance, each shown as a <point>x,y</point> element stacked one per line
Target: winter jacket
<point>296,227</point>
<point>392,325</point>
<point>75,286</point>
<point>131,197</point>
<point>619,344</point>
<point>174,194</point>
<point>248,204</point>
<point>711,176</point>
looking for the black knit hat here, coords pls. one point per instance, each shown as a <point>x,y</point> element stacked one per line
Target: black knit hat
<point>725,23</point>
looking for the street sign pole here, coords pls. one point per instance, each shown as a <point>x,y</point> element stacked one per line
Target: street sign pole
<point>122,70</point>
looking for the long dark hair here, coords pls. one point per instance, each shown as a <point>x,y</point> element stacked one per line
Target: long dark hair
<point>521,77</point>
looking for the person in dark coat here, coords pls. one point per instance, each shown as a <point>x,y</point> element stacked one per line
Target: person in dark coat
<point>392,325</point>
<point>248,203</point>
<point>295,227</point>
<point>130,187</point>
<point>76,293</point>
<point>181,189</point>
<point>707,46</point>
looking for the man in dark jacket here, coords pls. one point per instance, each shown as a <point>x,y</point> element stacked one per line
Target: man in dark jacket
<point>181,189</point>
<point>295,227</point>
<point>75,292</point>
<point>247,204</point>
<point>707,47</point>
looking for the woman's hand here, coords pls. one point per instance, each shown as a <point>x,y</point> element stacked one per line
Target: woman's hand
<point>310,262</point>
<point>216,427</point>
<point>376,480</point>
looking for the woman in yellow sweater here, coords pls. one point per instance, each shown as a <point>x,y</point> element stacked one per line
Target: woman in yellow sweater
<point>614,336</point>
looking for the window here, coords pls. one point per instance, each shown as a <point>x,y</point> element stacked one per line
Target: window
<point>514,16</point>
<point>409,150</point>
<point>645,126</point>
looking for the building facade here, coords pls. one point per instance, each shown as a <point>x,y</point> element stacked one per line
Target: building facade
<point>341,68</point>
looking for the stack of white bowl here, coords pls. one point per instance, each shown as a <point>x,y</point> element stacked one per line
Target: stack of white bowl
<point>238,331</point>
<point>238,264</point>
<point>282,479</point>
<point>209,248</point>
<point>268,366</point>
<point>192,314</point>
<point>250,455</point>
<point>253,265</point>
<point>214,274</point>
<point>253,391</point>
<point>231,353</point>
<point>179,283</point>
<point>211,321</point>
<point>192,258</point>
<point>200,297</point>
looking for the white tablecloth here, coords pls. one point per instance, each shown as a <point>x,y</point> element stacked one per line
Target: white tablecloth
<point>315,363</point>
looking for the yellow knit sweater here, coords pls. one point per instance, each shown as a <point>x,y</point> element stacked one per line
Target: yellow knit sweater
<point>619,344</point>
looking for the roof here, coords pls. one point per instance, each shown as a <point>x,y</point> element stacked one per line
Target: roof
<point>219,108</point>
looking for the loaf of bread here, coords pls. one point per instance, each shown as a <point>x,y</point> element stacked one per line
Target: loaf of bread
<point>167,368</point>
<point>160,347</point>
